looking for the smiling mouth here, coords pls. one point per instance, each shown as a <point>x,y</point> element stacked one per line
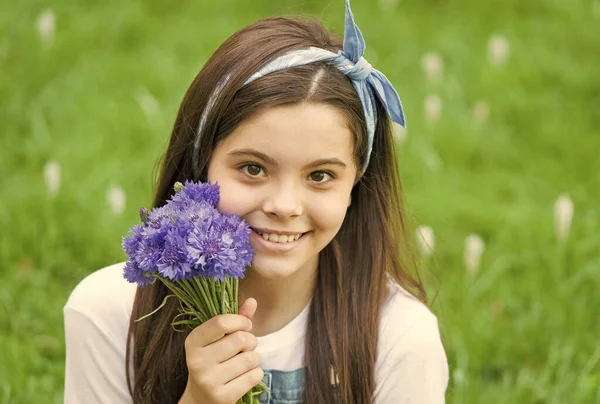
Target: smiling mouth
<point>279,238</point>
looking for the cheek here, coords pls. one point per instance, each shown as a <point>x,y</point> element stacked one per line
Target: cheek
<point>328,214</point>
<point>234,199</point>
<point>231,201</point>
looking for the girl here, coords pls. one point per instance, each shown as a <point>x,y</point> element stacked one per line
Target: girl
<point>294,125</point>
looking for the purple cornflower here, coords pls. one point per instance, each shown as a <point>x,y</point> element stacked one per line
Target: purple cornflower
<point>197,192</point>
<point>188,237</point>
<point>173,262</point>
<point>134,274</point>
<point>215,253</point>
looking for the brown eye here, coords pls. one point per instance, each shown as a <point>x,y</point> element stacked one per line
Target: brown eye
<point>252,170</point>
<point>320,177</point>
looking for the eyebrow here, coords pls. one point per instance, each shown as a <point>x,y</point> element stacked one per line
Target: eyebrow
<point>270,160</point>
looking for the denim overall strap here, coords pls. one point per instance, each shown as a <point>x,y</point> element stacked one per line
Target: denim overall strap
<point>286,387</point>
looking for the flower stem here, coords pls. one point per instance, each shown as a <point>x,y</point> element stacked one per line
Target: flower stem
<point>236,283</point>
<point>204,290</point>
<point>213,291</point>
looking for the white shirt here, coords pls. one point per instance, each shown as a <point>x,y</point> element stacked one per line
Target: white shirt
<point>411,365</point>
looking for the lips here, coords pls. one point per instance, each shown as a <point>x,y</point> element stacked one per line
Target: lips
<point>283,242</point>
<point>278,237</point>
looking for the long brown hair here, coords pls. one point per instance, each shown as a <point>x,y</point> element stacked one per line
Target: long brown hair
<point>352,278</point>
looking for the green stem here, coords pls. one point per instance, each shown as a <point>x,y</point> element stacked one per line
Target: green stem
<point>179,292</point>
<point>208,289</point>
<point>195,296</point>
<point>157,309</point>
<point>224,297</point>
<point>213,291</point>
<point>236,292</point>
<point>201,283</point>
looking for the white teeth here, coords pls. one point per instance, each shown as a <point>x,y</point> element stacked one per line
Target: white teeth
<point>283,238</point>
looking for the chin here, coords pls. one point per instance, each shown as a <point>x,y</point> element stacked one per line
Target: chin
<point>273,268</point>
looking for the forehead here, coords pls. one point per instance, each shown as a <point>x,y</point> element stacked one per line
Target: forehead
<point>295,133</point>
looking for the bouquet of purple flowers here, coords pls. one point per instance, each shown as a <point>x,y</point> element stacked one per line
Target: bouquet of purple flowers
<point>197,252</point>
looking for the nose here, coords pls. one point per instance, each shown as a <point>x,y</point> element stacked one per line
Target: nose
<point>283,201</point>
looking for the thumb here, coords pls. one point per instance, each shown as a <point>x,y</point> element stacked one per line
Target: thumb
<point>248,308</point>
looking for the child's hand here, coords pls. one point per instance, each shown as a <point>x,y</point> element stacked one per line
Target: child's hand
<point>221,360</point>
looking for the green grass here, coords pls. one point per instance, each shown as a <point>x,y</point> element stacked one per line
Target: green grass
<point>101,99</point>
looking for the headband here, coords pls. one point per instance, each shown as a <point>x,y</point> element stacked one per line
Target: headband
<point>368,82</point>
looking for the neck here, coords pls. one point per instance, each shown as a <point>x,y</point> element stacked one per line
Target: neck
<point>280,300</point>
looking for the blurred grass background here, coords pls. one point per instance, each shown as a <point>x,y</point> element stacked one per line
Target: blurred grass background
<point>491,144</point>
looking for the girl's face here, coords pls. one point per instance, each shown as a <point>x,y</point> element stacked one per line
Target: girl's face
<point>288,171</point>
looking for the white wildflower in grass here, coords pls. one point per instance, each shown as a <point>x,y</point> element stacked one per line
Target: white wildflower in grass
<point>52,177</point>
<point>399,133</point>
<point>388,4</point>
<point>498,50</point>
<point>426,240</point>
<point>433,108</point>
<point>433,66</point>
<point>458,376</point>
<point>474,248</point>
<point>46,24</point>
<point>481,111</point>
<point>115,196</point>
<point>563,215</point>
<point>432,159</point>
<point>147,102</point>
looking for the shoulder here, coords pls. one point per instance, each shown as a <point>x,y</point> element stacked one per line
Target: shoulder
<point>411,363</point>
<point>104,297</point>
<point>96,319</point>
<point>405,318</point>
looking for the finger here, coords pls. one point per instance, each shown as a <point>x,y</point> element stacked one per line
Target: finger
<point>242,384</point>
<point>216,328</point>
<point>231,345</point>
<point>248,308</point>
<point>237,366</point>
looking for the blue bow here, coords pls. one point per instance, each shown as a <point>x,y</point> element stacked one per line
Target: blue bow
<point>367,81</point>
